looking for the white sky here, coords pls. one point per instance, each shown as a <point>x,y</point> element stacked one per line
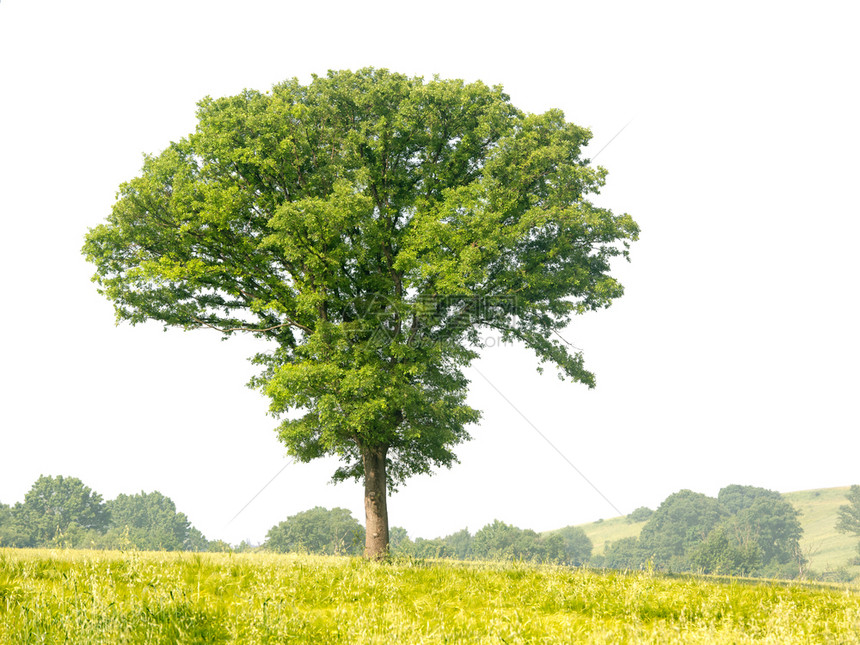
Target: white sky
<point>731,359</point>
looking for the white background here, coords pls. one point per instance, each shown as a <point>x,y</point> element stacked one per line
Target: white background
<point>732,358</point>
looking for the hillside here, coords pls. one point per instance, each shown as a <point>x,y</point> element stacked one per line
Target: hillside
<point>826,549</point>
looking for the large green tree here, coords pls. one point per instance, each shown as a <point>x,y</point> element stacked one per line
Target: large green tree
<point>59,510</point>
<point>683,520</point>
<point>150,522</point>
<point>373,227</point>
<point>763,521</point>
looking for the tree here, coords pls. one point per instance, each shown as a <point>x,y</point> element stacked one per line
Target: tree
<point>399,537</point>
<point>720,553</point>
<point>10,530</point>
<point>60,510</point>
<point>499,541</point>
<point>151,523</point>
<point>460,544</point>
<point>569,545</point>
<point>625,553</point>
<point>317,530</point>
<point>683,520</point>
<point>772,525</point>
<point>371,226</point>
<point>736,498</point>
<point>849,516</point>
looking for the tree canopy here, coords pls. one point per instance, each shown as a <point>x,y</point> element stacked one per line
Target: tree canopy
<point>318,530</point>
<point>682,520</point>
<point>60,511</point>
<point>150,522</point>
<point>746,530</point>
<point>64,512</point>
<point>372,226</point>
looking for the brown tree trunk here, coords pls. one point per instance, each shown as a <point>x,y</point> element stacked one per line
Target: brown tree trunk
<point>375,504</point>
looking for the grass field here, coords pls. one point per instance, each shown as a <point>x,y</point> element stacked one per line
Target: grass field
<point>826,549</point>
<point>112,597</point>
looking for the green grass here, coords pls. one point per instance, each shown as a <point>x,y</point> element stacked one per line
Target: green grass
<point>826,549</point>
<point>112,597</point>
<point>610,530</point>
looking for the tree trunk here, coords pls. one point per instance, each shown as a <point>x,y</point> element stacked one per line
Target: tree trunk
<point>375,504</point>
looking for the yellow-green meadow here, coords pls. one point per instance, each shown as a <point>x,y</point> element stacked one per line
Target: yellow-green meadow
<point>52,596</point>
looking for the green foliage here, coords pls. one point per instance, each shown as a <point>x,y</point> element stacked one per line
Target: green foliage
<point>720,554</point>
<point>683,519</point>
<point>460,544</point>
<point>218,546</point>
<point>849,518</point>
<point>398,539</point>
<point>8,534</point>
<point>63,512</point>
<point>626,554</point>
<point>735,498</point>
<point>745,531</point>
<point>149,521</point>
<point>427,548</point>
<point>500,541</point>
<point>849,514</point>
<point>641,514</point>
<point>103,598</point>
<point>569,545</point>
<point>317,530</point>
<point>771,525</point>
<point>60,511</point>
<point>370,225</point>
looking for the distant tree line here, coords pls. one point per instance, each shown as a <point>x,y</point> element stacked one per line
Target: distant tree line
<point>335,531</point>
<point>64,512</point>
<point>744,531</point>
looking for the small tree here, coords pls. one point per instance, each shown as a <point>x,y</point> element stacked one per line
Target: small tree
<point>318,530</point>
<point>849,516</point>
<point>371,226</point>
<point>569,545</point>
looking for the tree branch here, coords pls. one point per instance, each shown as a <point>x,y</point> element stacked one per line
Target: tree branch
<point>232,329</point>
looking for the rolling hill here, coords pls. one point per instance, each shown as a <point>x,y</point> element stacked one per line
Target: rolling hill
<point>826,549</point>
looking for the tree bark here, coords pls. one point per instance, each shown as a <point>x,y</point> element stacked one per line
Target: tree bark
<point>375,502</point>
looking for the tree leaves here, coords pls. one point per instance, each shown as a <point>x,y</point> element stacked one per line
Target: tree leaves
<point>370,224</point>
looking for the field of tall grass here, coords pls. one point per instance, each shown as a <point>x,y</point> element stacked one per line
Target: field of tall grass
<point>51,596</point>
